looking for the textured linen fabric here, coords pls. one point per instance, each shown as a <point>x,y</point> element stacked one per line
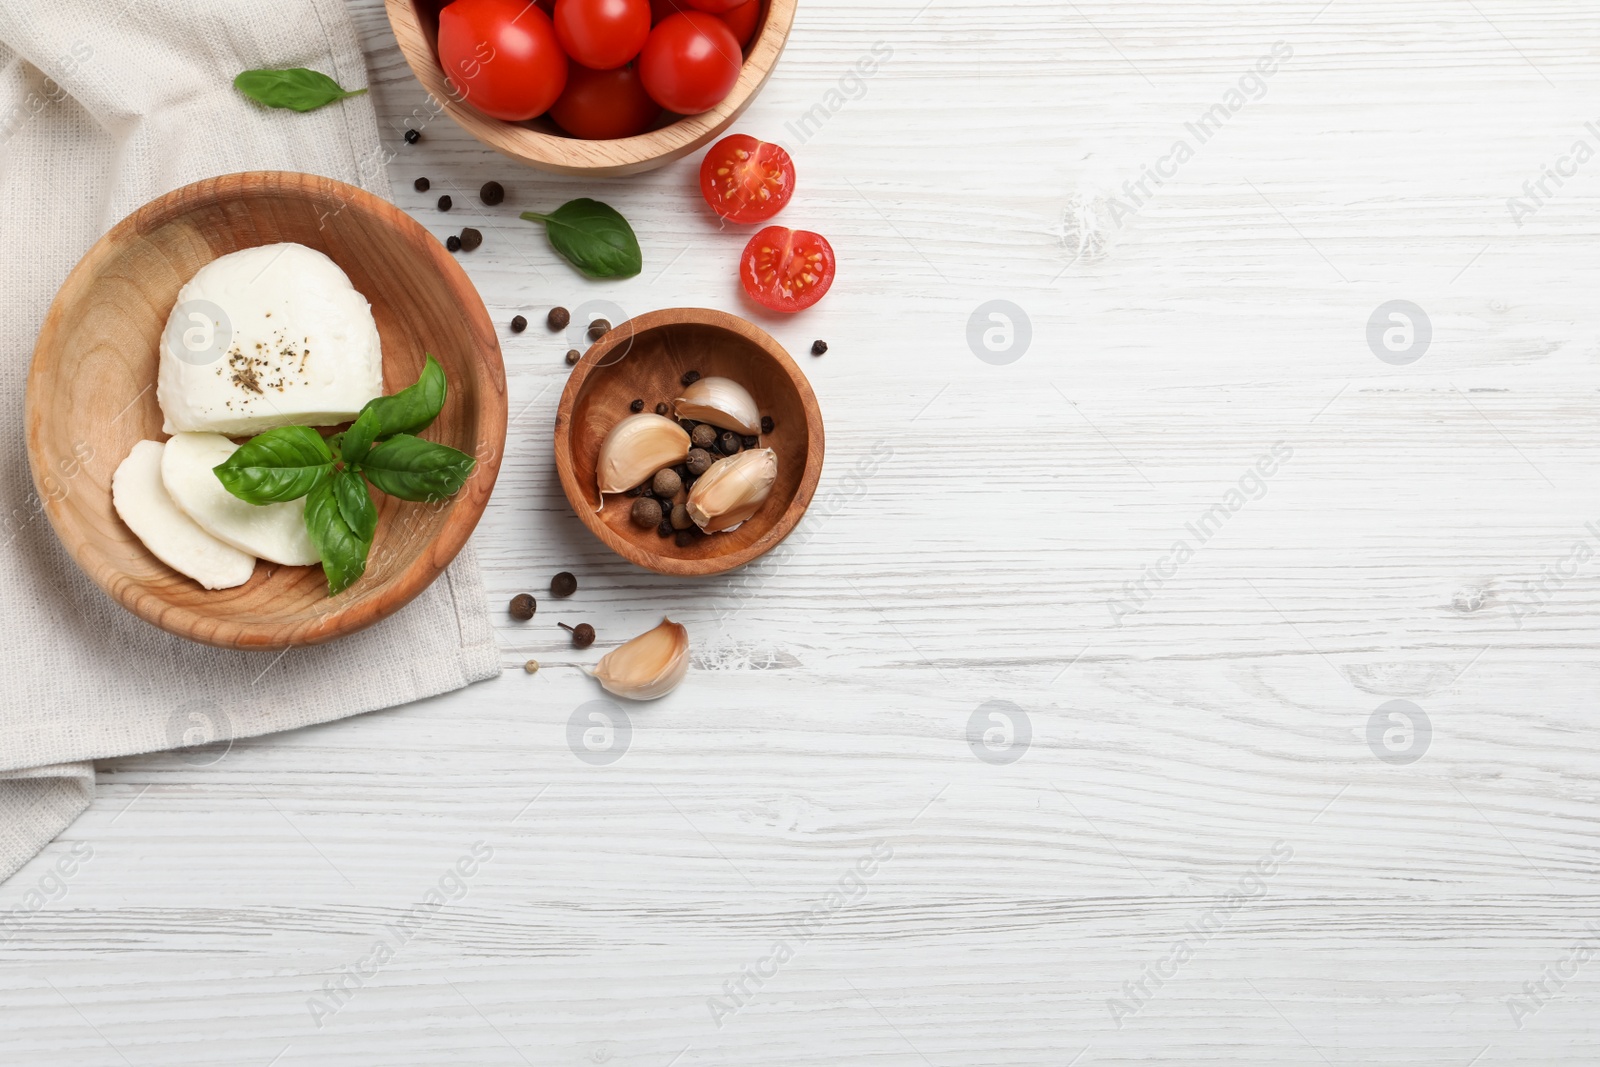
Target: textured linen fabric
<point>104,106</point>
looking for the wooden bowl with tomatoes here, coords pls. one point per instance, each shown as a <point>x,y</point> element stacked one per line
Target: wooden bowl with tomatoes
<point>513,74</point>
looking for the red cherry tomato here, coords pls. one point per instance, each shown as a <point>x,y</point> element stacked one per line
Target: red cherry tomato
<point>787,270</point>
<point>742,20</point>
<point>746,180</point>
<point>690,62</point>
<point>602,34</point>
<point>602,105</point>
<point>502,57</point>
<point>716,7</point>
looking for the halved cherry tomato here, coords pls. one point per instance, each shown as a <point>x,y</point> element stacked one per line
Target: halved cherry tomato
<point>746,180</point>
<point>602,105</point>
<point>716,7</point>
<point>602,34</point>
<point>690,62</point>
<point>502,56</point>
<point>787,270</point>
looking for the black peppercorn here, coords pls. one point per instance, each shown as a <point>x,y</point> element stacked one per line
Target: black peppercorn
<point>646,513</point>
<point>728,443</point>
<point>662,408</point>
<point>564,584</point>
<point>818,347</point>
<point>766,424</point>
<point>445,202</point>
<point>421,185</point>
<point>582,634</point>
<point>688,425</point>
<point>703,436</point>
<point>492,193</point>
<point>637,490</point>
<point>636,407</point>
<point>685,537</point>
<point>413,136</point>
<point>749,440</point>
<point>665,529</point>
<point>690,377</point>
<point>682,471</point>
<point>452,243</point>
<point>598,329</point>
<point>558,318</point>
<point>471,239</point>
<point>523,606</point>
<point>518,324</point>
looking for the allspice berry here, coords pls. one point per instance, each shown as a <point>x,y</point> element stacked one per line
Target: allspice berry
<point>564,584</point>
<point>646,512</point>
<point>699,459</point>
<point>492,193</point>
<point>523,606</point>
<point>558,318</point>
<point>598,329</point>
<point>666,483</point>
<point>573,355</point>
<point>729,443</point>
<point>582,634</point>
<point>680,517</point>
<point>703,436</point>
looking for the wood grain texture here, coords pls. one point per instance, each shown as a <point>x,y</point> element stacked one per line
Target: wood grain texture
<point>91,392</point>
<point>972,527</point>
<point>645,358</point>
<point>540,143</point>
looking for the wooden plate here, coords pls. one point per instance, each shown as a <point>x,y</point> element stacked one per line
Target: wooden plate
<point>540,143</point>
<point>645,359</point>
<point>91,397</point>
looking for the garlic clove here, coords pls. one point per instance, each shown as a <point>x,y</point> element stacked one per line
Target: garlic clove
<point>732,489</point>
<point>636,448</point>
<point>721,402</point>
<point>649,666</point>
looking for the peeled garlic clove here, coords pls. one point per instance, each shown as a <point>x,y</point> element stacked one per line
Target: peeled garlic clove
<point>636,448</point>
<point>721,402</point>
<point>649,666</point>
<point>732,489</point>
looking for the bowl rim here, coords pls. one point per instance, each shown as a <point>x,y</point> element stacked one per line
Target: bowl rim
<point>430,561</point>
<point>582,504</point>
<point>575,155</point>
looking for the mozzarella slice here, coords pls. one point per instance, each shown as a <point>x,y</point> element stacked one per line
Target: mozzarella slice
<point>275,532</point>
<point>268,336</point>
<point>173,537</point>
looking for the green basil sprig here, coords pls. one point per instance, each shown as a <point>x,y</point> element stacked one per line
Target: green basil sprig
<point>593,237</point>
<point>297,88</point>
<point>291,462</point>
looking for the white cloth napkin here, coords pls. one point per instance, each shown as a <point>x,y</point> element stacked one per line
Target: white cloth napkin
<point>104,106</point>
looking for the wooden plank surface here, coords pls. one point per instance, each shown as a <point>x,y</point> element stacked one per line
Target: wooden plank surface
<point>1211,849</point>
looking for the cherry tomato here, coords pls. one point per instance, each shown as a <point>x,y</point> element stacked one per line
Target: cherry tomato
<point>716,7</point>
<point>741,20</point>
<point>602,105</point>
<point>746,180</point>
<point>787,270</point>
<point>690,62</point>
<point>602,34</point>
<point>502,56</point>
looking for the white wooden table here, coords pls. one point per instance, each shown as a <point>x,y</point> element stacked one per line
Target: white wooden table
<point>1221,843</point>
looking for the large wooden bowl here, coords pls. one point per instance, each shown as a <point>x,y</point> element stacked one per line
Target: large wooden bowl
<point>91,397</point>
<point>645,359</point>
<point>540,143</point>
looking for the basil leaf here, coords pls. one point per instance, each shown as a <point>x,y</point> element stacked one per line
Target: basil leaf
<point>344,555</point>
<point>593,237</point>
<point>281,464</point>
<point>413,469</point>
<point>356,442</point>
<point>297,88</point>
<point>355,504</point>
<point>412,408</point>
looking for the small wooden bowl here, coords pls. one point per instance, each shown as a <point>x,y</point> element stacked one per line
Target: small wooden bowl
<point>91,397</point>
<point>540,143</point>
<point>645,358</point>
